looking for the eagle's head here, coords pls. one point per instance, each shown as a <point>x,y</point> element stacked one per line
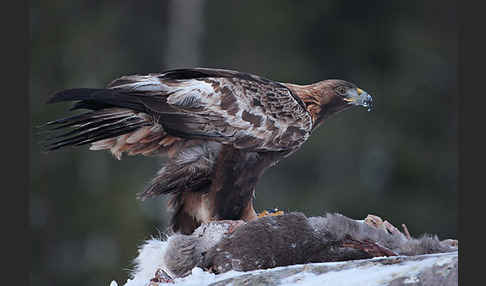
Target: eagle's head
<point>338,95</point>
<point>328,97</point>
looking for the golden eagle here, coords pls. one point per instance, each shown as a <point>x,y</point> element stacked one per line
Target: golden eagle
<point>220,130</point>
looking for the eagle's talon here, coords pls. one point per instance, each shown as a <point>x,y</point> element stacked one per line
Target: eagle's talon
<point>274,212</point>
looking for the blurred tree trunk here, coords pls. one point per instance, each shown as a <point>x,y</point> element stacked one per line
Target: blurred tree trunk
<point>185,29</point>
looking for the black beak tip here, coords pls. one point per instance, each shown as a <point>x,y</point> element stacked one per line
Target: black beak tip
<point>369,102</point>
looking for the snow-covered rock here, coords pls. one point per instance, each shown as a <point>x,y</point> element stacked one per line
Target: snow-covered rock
<point>429,269</point>
<point>295,250</point>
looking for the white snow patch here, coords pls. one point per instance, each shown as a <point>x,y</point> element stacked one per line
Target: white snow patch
<point>442,261</point>
<point>150,258</point>
<point>200,277</point>
<point>203,278</point>
<point>147,262</point>
<point>365,275</point>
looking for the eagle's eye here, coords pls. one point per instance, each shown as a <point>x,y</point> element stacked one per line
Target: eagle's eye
<point>341,90</point>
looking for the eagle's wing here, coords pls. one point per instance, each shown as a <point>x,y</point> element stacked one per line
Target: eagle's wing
<point>149,114</point>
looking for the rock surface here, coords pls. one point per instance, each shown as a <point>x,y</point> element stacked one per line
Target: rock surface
<point>432,269</point>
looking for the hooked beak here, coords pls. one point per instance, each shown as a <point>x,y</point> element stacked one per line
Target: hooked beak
<point>359,97</point>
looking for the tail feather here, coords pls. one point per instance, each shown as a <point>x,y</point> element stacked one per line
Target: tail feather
<point>93,131</point>
<point>100,98</point>
<point>90,125</point>
<point>117,129</point>
<point>113,113</point>
<point>74,94</point>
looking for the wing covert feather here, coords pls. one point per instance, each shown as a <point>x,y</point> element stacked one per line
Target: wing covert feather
<point>247,113</point>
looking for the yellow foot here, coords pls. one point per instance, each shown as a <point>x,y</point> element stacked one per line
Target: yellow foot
<point>273,212</point>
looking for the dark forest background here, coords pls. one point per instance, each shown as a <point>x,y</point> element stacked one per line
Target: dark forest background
<point>398,161</point>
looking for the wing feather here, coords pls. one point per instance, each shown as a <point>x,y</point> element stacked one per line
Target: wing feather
<point>147,114</point>
<point>237,111</point>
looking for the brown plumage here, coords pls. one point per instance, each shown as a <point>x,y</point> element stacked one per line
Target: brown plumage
<point>220,130</point>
